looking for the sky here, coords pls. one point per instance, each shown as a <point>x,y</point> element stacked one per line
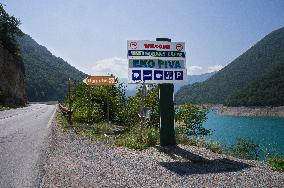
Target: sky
<point>92,34</point>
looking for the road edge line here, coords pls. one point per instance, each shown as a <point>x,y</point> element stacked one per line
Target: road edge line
<point>52,117</point>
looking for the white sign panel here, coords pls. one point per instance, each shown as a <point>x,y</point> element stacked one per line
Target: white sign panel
<point>156,61</point>
<point>143,49</point>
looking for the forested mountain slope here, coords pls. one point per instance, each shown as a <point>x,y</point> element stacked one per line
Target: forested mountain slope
<point>248,67</point>
<point>45,73</point>
<point>267,90</point>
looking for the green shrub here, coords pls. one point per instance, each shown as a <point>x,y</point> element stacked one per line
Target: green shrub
<point>277,163</point>
<point>245,149</point>
<point>89,107</point>
<point>139,139</point>
<point>89,104</point>
<point>134,104</point>
<point>214,147</point>
<point>152,137</point>
<point>191,117</point>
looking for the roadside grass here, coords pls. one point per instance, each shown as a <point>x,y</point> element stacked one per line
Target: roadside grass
<point>245,149</point>
<point>134,138</point>
<point>182,139</point>
<point>276,162</point>
<point>94,132</point>
<point>210,145</point>
<point>2,108</point>
<point>139,139</point>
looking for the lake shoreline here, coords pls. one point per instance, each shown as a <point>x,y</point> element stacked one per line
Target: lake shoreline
<point>250,111</point>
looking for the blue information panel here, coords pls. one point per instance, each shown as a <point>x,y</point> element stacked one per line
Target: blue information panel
<point>152,76</point>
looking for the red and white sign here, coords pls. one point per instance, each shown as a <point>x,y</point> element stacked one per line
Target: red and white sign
<point>155,45</point>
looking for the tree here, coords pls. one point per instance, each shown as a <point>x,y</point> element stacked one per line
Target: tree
<point>9,30</point>
<point>151,101</point>
<point>89,104</point>
<point>190,118</point>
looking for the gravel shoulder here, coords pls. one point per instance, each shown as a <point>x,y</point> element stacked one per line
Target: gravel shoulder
<point>73,161</point>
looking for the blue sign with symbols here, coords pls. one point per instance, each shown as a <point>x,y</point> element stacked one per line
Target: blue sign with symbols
<point>153,76</point>
<point>178,75</point>
<point>147,74</point>
<point>169,75</point>
<point>136,75</point>
<point>158,75</point>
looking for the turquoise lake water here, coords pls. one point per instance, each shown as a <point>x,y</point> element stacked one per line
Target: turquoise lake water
<point>266,131</point>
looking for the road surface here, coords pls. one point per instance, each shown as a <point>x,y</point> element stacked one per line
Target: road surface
<point>23,135</point>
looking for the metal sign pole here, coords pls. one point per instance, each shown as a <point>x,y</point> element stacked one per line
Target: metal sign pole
<point>69,97</point>
<point>143,95</point>
<point>90,105</point>
<point>167,113</point>
<point>108,109</point>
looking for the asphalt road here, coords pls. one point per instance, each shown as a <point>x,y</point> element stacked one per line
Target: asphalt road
<point>23,136</point>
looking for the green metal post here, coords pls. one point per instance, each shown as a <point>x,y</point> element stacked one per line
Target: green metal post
<point>69,96</point>
<point>167,113</point>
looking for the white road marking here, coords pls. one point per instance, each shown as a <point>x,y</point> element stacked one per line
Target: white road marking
<point>52,116</point>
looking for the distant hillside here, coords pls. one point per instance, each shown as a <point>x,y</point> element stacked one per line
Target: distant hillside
<point>45,73</point>
<point>267,90</point>
<point>250,66</point>
<point>191,79</point>
<point>200,78</point>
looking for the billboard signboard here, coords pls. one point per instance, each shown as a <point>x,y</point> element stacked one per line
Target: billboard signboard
<point>99,80</point>
<point>156,61</point>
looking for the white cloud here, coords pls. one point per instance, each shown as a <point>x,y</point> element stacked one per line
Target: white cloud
<point>114,65</point>
<point>195,70</point>
<point>215,68</point>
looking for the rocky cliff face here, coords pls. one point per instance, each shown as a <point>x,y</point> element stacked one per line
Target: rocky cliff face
<point>12,88</point>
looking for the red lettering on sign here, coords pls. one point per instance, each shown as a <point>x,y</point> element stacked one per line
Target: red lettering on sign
<point>157,46</point>
<point>167,46</point>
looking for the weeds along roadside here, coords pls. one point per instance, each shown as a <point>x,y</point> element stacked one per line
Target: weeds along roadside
<point>129,130</point>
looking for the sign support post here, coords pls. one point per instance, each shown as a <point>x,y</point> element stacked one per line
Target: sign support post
<point>70,104</point>
<point>167,112</point>
<point>108,119</point>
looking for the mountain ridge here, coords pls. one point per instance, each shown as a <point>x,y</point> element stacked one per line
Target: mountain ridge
<point>45,73</point>
<point>250,65</point>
